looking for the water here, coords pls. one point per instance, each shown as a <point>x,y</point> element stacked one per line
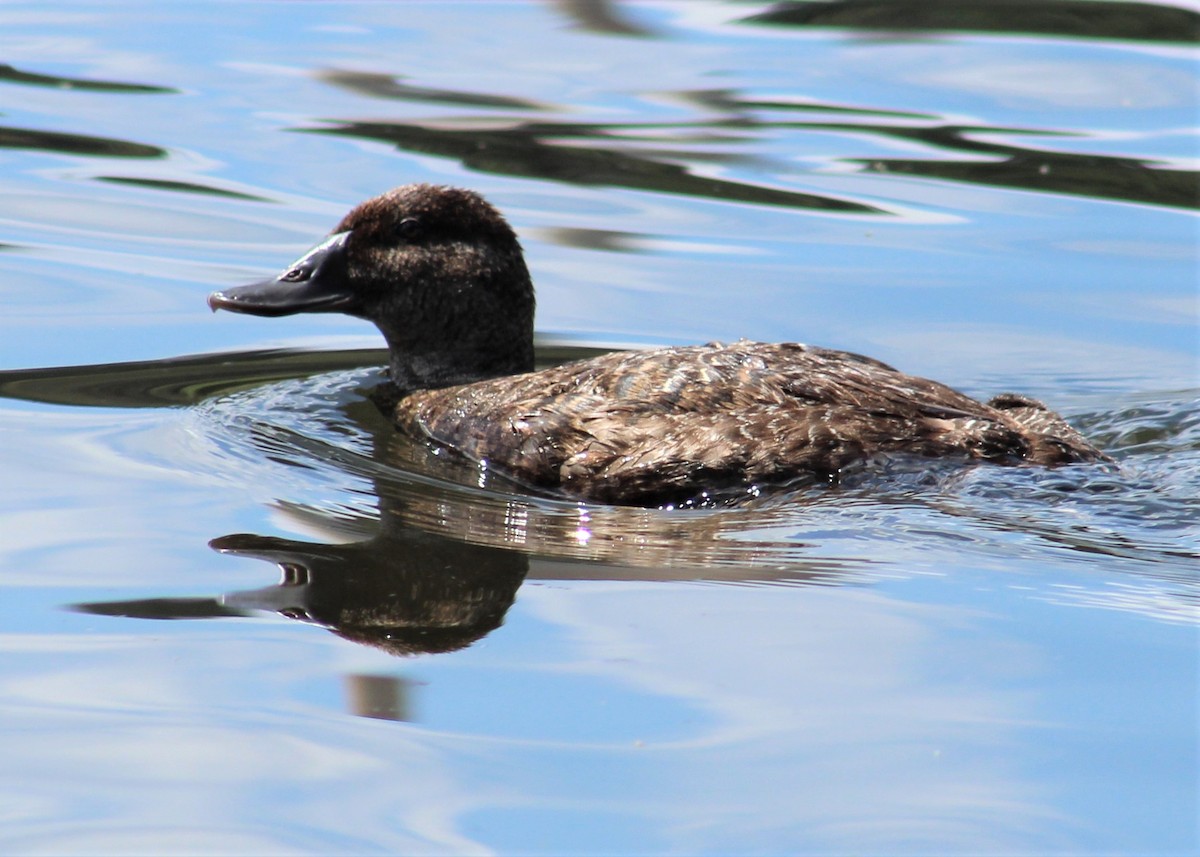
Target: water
<point>990,661</point>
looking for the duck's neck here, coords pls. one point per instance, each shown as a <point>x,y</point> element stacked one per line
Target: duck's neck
<point>460,329</point>
<point>432,369</point>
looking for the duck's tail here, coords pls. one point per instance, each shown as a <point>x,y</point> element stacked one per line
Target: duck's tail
<point>1051,439</point>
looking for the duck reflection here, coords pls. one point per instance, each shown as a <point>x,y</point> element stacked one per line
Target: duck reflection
<point>405,593</point>
<point>407,590</point>
<point>439,563</point>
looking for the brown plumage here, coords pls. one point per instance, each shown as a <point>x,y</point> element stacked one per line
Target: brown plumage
<point>441,274</point>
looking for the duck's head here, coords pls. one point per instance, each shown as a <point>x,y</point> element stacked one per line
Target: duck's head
<point>437,269</point>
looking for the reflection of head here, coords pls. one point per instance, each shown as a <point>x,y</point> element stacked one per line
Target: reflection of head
<point>405,593</point>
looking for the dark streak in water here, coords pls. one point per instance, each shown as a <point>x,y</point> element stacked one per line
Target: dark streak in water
<point>618,155</point>
<point>173,381</point>
<point>75,144</point>
<point>608,240</point>
<point>600,16</point>
<point>14,75</point>
<point>729,101</point>
<point>389,86</point>
<point>182,187</point>
<point>1097,19</point>
<point>1095,176</point>
<point>1092,176</point>
<point>525,150</point>
<point>179,381</point>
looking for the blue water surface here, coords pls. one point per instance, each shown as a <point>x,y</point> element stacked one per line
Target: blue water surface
<point>996,661</point>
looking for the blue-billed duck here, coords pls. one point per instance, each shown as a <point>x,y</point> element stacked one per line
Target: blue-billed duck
<point>441,274</point>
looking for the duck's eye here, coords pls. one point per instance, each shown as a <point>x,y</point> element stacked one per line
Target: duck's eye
<point>409,228</point>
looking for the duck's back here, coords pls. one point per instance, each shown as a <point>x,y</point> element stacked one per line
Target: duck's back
<point>672,424</point>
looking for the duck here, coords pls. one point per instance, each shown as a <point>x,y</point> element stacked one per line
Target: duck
<point>442,275</point>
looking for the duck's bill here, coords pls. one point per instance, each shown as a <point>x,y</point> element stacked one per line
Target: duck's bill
<point>314,283</point>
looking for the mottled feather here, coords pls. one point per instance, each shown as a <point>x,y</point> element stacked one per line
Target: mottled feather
<point>667,425</point>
